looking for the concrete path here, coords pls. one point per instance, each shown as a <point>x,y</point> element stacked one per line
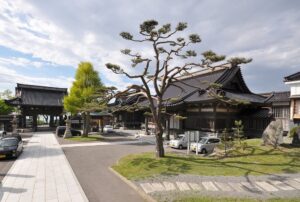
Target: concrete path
<point>91,165</point>
<point>41,173</point>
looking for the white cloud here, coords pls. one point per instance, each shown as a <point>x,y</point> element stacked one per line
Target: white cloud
<point>9,76</point>
<point>66,32</point>
<point>22,62</point>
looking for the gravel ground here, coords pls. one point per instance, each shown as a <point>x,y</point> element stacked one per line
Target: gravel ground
<point>171,195</point>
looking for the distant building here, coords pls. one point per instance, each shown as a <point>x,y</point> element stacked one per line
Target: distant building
<point>35,100</point>
<point>280,103</point>
<point>293,81</point>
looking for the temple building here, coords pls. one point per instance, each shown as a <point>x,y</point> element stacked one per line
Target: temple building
<point>33,100</point>
<point>203,107</point>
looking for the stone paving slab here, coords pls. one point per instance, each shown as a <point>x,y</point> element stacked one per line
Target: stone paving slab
<point>209,186</point>
<point>158,187</point>
<point>223,186</point>
<point>195,186</point>
<point>236,186</point>
<point>169,186</point>
<point>41,173</point>
<point>251,187</point>
<point>147,187</point>
<point>293,183</point>
<point>266,186</point>
<point>281,185</point>
<point>183,186</point>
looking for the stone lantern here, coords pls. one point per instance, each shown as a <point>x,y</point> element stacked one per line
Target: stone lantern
<point>68,128</point>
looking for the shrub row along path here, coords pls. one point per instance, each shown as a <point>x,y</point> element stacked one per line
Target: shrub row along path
<point>257,187</point>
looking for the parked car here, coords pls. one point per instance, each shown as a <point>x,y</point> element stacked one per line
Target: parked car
<point>11,146</point>
<point>108,129</point>
<point>182,141</point>
<point>2,133</point>
<point>60,131</point>
<point>205,144</point>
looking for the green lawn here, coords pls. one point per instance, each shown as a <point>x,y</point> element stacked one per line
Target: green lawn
<point>255,160</point>
<point>212,199</point>
<point>90,138</point>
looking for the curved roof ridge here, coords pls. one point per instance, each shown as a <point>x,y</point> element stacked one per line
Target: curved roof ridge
<point>37,87</point>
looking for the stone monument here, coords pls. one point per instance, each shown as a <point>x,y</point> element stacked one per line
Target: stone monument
<point>273,134</point>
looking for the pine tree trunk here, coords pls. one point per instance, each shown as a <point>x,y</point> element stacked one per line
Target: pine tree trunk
<point>160,152</point>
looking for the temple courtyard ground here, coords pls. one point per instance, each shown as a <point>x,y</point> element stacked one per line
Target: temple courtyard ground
<point>80,171</point>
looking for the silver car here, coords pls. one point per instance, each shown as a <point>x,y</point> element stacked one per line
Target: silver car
<point>108,129</point>
<point>205,144</point>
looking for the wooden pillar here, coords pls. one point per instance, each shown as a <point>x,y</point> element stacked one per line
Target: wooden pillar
<point>168,128</point>
<point>101,124</point>
<point>23,121</point>
<point>34,123</point>
<point>51,121</point>
<point>61,120</point>
<point>146,125</point>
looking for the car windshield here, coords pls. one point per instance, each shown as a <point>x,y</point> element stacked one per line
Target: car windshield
<point>202,140</point>
<point>8,142</point>
<point>179,137</point>
<point>107,126</point>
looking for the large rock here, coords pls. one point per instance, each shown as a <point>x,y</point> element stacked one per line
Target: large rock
<point>273,134</point>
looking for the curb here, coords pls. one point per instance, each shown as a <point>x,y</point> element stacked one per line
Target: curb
<point>132,185</point>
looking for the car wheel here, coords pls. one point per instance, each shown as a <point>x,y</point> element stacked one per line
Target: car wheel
<point>180,147</point>
<point>203,151</point>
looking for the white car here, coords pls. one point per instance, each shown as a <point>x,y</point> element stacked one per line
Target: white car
<point>108,129</point>
<point>205,144</point>
<point>179,143</point>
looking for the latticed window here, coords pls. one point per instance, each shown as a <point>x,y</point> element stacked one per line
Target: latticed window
<point>281,112</point>
<point>297,106</point>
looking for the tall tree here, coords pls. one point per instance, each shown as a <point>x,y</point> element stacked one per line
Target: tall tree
<point>163,68</point>
<point>85,94</point>
<point>6,94</point>
<point>4,108</point>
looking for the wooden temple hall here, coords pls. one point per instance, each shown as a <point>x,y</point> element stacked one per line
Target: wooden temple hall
<point>33,101</point>
<point>201,106</point>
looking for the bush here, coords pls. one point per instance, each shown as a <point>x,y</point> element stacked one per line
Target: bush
<point>293,131</point>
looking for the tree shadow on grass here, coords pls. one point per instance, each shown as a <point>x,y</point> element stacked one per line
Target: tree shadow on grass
<point>174,164</point>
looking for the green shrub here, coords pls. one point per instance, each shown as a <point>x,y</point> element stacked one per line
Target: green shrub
<point>293,131</point>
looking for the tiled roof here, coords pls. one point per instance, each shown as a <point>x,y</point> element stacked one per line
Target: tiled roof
<point>292,77</point>
<point>31,95</point>
<point>223,77</point>
<point>283,96</point>
<point>42,98</point>
<point>250,97</point>
<point>35,87</point>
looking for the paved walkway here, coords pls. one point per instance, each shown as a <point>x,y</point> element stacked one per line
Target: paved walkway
<point>41,173</point>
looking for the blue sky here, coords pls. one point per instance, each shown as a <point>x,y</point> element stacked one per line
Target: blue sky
<point>41,42</point>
